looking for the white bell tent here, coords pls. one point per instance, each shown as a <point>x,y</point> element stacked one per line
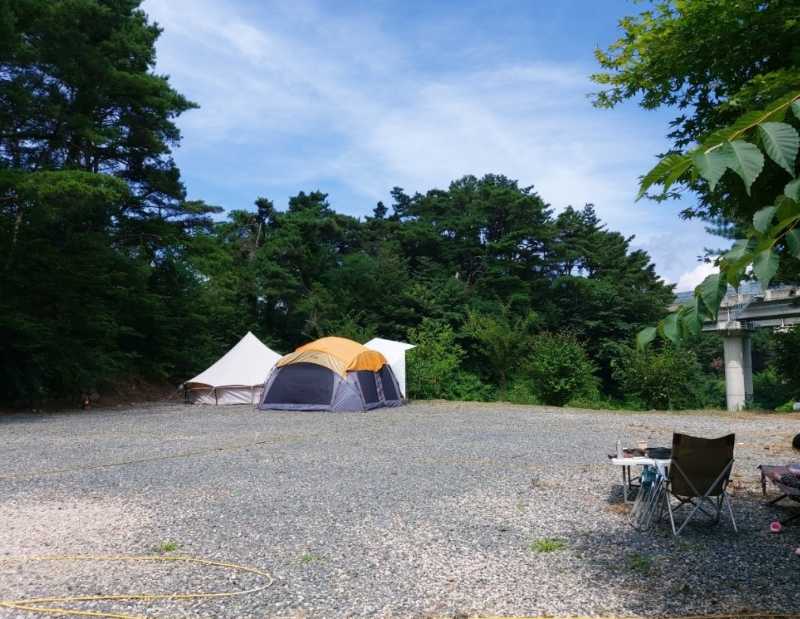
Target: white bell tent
<point>395,353</point>
<point>236,378</point>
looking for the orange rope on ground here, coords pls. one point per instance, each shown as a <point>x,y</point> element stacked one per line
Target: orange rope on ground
<point>33,605</point>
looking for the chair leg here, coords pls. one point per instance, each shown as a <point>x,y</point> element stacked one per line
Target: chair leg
<point>727,500</point>
<point>671,515</point>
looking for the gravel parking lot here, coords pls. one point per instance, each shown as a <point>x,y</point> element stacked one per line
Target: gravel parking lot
<point>431,510</point>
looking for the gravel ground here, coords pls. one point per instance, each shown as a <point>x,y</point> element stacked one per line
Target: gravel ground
<point>430,510</point>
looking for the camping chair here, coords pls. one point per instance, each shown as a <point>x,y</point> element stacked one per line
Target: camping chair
<point>787,480</point>
<point>698,477</point>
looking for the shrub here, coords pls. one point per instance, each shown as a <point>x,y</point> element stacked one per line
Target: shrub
<point>502,341</point>
<point>520,392</point>
<point>434,366</point>
<point>786,346</point>
<point>664,379</point>
<point>770,390</point>
<point>469,387</point>
<point>559,369</point>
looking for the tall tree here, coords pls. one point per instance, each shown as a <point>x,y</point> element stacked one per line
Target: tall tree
<point>94,222</point>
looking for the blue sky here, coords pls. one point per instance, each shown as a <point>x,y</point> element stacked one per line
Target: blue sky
<point>353,98</point>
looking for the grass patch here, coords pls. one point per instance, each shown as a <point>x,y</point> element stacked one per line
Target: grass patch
<point>308,557</point>
<point>548,544</point>
<point>167,546</point>
<point>683,545</point>
<point>636,562</point>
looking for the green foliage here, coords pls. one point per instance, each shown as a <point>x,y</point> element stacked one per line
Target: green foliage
<point>559,369</point>
<point>520,391</point>
<point>781,143</point>
<point>739,114</point>
<point>548,544</point>
<point>434,366</point>
<point>93,218</point>
<point>770,389</point>
<point>670,378</point>
<point>637,562</point>
<point>787,344</point>
<point>765,241</point>
<point>502,340</point>
<point>89,64</point>
<point>167,546</point>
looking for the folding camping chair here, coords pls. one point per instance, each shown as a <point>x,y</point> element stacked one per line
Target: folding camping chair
<point>698,477</point>
<point>787,480</point>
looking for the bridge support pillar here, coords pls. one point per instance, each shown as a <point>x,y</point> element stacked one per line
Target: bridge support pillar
<point>738,369</point>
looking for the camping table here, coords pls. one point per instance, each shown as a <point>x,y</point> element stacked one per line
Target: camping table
<point>627,462</point>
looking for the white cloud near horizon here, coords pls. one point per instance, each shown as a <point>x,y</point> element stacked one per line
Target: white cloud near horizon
<point>312,98</point>
<point>693,278</point>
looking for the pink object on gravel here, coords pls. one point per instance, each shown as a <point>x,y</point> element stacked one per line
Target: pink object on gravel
<point>797,551</point>
<point>775,526</point>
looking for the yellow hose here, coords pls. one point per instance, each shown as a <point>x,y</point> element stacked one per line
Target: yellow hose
<point>33,604</point>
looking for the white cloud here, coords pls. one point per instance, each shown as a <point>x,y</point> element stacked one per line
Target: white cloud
<point>293,96</point>
<point>691,279</point>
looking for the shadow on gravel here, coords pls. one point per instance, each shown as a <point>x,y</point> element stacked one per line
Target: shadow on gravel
<point>706,570</point>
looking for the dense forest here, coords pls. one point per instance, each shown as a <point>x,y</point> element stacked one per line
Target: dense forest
<point>109,273</point>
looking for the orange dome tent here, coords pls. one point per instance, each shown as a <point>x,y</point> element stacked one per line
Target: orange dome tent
<point>332,373</point>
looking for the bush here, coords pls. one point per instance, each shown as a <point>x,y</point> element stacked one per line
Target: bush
<point>786,346</point>
<point>520,392</point>
<point>770,391</point>
<point>559,370</point>
<point>664,379</point>
<point>469,387</point>
<point>434,366</point>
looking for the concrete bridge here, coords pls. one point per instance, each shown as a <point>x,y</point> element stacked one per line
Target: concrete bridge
<point>741,313</point>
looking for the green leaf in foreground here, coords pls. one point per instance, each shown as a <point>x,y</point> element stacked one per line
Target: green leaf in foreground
<point>691,321</point>
<point>711,292</point>
<point>712,163</point>
<point>792,190</point>
<point>738,251</point>
<point>670,328</point>
<point>669,168</point>
<point>765,265</point>
<point>781,143</point>
<point>763,218</point>
<point>644,337</point>
<point>746,160</point>
<point>793,242</point>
